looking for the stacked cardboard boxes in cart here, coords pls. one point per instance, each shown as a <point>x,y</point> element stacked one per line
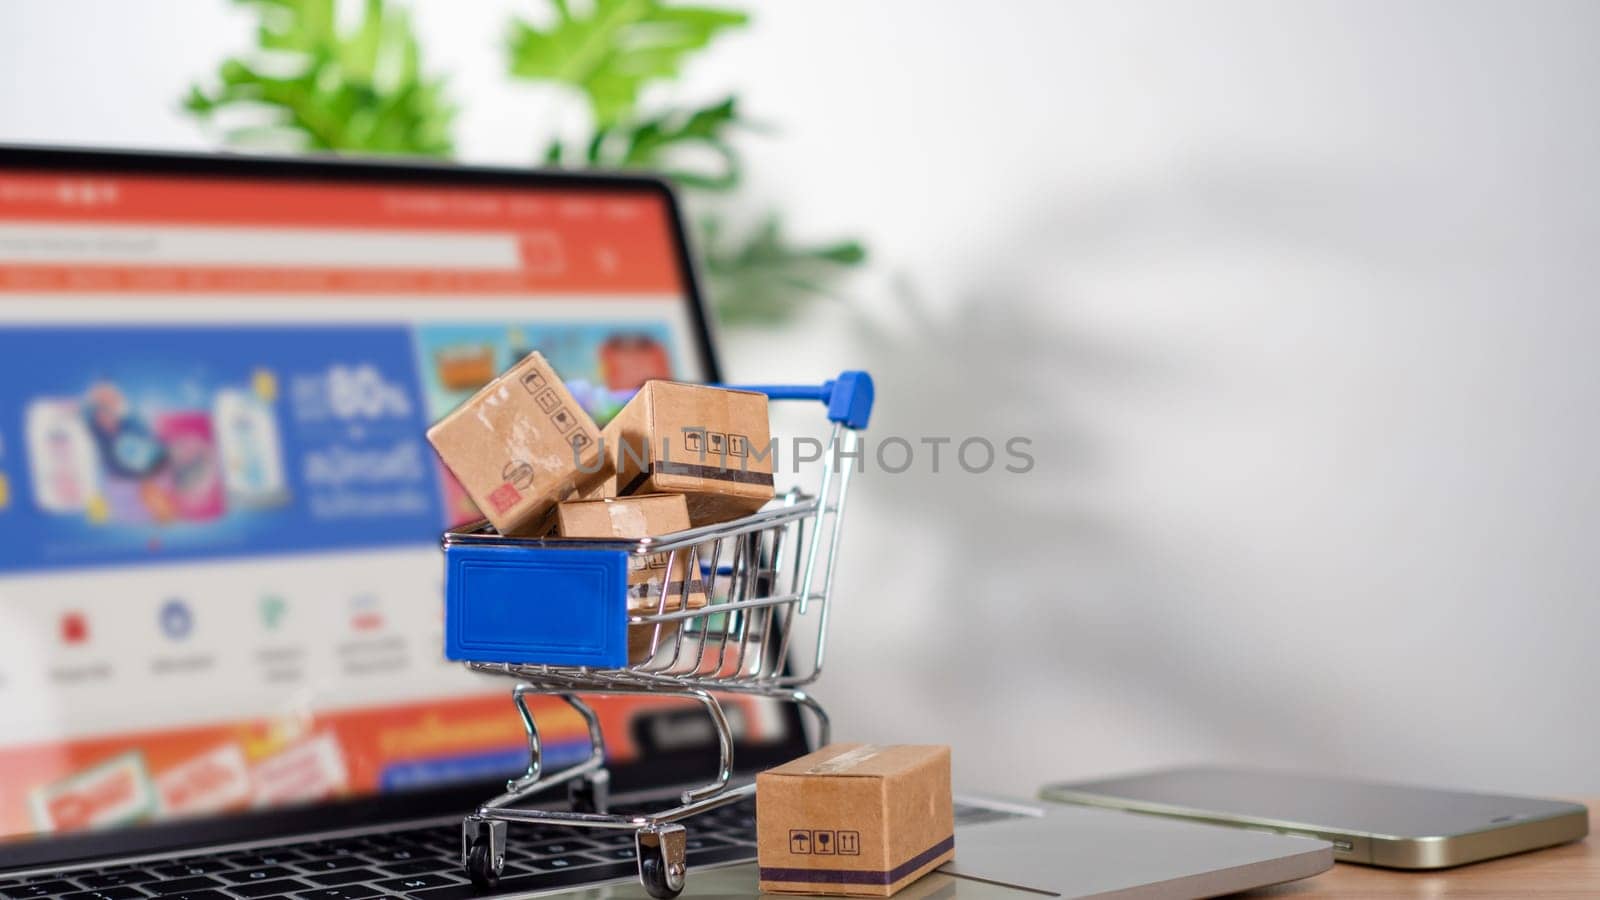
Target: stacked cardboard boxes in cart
<point>676,456</point>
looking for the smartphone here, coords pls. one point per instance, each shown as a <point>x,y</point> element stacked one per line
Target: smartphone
<point>1375,824</point>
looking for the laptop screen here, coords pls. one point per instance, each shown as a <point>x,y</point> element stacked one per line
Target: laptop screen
<point>220,581</point>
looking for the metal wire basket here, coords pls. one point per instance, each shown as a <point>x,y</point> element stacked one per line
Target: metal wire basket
<point>556,615</point>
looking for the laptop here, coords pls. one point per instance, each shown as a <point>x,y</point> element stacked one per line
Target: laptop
<point>220,580</point>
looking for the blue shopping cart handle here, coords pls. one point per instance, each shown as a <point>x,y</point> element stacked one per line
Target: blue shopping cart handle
<point>848,397</point>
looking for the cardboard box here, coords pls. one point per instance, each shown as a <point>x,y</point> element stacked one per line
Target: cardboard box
<point>646,515</point>
<point>519,445</point>
<point>710,444</point>
<point>855,819</point>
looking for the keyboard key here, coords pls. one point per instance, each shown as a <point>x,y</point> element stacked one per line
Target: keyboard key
<point>347,892</point>
<point>111,893</point>
<point>330,864</point>
<point>417,883</point>
<point>201,894</point>
<point>347,847</point>
<point>40,888</point>
<point>187,867</point>
<point>258,858</point>
<point>543,881</point>
<point>261,873</point>
<point>620,854</point>
<point>412,841</point>
<point>561,847</point>
<point>610,838</point>
<point>115,878</point>
<point>440,845</point>
<point>696,844</point>
<point>398,854</point>
<point>343,876</point>
<point>182,885</point>
<point>281,888</point>
<point>557,863</point>
<point>535,834</point>
<point>422,866</point>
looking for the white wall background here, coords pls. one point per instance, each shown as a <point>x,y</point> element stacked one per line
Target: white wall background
<point>1295,300</point>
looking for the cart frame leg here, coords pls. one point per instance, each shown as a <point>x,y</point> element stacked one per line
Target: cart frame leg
<point>534,779</point>
<point>724,748</point>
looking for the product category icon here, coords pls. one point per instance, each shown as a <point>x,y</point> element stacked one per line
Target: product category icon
<point>176,619</point>
<point>74,628</point>
<point>365,613</point>
<point>273,609</point>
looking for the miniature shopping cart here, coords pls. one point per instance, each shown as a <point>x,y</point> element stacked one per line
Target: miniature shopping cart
<point>554,615</point>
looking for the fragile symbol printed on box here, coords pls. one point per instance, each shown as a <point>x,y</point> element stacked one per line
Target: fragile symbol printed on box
<point>701,442</point>
<point>824,842</point>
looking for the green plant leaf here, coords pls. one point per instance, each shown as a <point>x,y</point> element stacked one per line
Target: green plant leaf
<point>761,278</point>
<point>658,143</point>
<point>610,49</point>
<point>311,86</point>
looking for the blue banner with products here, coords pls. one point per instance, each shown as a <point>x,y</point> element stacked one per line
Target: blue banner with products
<point>142,444</point>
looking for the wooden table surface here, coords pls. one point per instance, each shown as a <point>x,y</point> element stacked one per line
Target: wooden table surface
<point>1570,870</point>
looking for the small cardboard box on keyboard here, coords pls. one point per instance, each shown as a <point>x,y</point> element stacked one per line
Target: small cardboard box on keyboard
<point>855,819</point>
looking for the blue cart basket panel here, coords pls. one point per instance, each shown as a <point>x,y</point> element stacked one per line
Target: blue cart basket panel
<point>536,605</point>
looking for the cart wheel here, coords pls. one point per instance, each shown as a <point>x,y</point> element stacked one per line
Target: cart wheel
<point>480,865</point>
<point>653,875</point>
<point>662,869</point>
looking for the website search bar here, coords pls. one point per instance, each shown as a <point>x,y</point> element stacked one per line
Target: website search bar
<point>315,248</point>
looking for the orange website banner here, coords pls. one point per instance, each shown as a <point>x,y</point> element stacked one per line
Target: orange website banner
<point>577,241</point>
<point>132,778</point>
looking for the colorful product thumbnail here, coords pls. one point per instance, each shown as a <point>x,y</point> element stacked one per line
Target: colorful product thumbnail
<point>101,457</point>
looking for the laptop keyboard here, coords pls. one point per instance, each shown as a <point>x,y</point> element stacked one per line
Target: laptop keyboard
<point>424,863</point>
